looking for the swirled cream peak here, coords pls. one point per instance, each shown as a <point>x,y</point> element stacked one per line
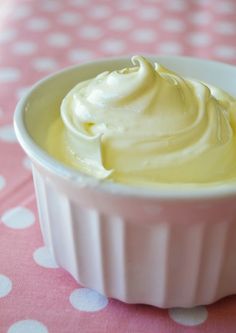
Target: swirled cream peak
<point>146,124</point>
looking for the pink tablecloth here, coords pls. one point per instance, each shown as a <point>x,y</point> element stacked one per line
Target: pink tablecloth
<point>40,37</point>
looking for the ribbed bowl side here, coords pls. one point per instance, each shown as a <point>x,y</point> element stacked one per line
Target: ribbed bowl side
<point>164,264</point>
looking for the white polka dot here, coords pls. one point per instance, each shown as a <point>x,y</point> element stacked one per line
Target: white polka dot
<point>43,258</point>
<point>44,64</point>
<point>120,23</point>
<point>28,326</point>
<point>51,6</point>
<point>113,45</point>
<point>18,218</point>
<point>199,39</point>
<point>2,182</point>
<point>85,299</point>
<point>80,55</point>
<point>7,35</point>
<point>202,2</point>
<point>149,13</point>
<point>176,5</point>
<point>27,163</point>
<point>9,74</point>
<point>90,32</point>
<point>225,7</point>
<point>7,134</point>
<point>70,18</point>
<point>225,51</point>
<point>21,92</point>
<point>144,35</point>
<point>24,48</point>
<point>38,24</point>
<point>173,25</point>
<point>5,285</point>
<point>170,47</point>
<point>80,3</point>
<point>100,12</point>
<point>58,39</point>
<point>189,317</point>
<point>22,12</point>
<point>225,28</point>
<point>200,18</point>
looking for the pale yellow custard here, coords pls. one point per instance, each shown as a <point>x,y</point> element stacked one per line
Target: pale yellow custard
<point>145,125</point>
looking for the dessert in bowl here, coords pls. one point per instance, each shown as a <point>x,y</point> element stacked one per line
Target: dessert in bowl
<point>135,176</point>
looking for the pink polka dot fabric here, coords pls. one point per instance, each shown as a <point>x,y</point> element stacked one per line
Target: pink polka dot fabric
<point>36,39</point>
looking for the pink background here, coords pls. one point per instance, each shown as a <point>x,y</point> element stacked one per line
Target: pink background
<point>36,39</point>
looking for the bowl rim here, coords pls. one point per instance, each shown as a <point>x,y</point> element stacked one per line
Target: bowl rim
<point>161,191</point>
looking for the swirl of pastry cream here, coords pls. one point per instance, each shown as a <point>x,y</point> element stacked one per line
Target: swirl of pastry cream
<point>147,125</point>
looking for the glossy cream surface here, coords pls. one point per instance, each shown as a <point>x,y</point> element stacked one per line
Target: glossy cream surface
<point>146,125</point>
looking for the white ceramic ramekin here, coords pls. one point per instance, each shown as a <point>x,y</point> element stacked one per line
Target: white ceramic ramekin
<point>172,247</point>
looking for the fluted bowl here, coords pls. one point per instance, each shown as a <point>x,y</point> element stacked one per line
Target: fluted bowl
<point>166,247</point>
